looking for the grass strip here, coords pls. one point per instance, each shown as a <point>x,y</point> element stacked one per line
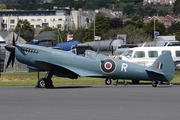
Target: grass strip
<point>30,79</point>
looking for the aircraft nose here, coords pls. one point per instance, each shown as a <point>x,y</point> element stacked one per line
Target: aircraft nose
<point>10,48</point>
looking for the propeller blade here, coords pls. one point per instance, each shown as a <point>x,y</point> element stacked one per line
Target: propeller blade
<point>17,37</point>
<point>11,49</point>
<point>13,57</point>
<point>9,60</point>
<point>14,44</point>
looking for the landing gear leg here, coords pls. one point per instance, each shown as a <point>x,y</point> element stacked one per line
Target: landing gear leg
<point>46,82</point>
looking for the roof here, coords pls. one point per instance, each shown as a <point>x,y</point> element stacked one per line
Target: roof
<point>8,36</point>
<point>117,9</point>
<point>4,33</point>
<point>2,39</point>
<point>46,35</point>
<point>39,41</point>
<point>109,15</point>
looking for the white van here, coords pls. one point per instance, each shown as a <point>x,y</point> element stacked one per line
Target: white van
<point>147,55</point>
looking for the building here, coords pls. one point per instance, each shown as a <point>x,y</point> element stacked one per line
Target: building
<point>9,2</point>
<point>158,2</point>
<point>62,18</point>
<point>162,19</point>
<point>58,18</point>
<point>118,12</point>
<point>44,1</point>
<point>166,20</point>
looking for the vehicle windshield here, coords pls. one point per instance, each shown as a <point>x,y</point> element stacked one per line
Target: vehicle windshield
<point>172,44</point>
<point>127,53</point>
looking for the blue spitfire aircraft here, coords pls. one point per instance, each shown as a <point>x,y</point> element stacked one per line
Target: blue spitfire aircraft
<point>75,63</point>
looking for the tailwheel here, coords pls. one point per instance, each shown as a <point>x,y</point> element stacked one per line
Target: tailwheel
<point>154,83</point>
<point>108,81</point>
<point>42,83</point>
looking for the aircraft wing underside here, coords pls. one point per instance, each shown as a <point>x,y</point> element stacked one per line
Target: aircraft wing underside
<point>58,70</point>
<point>64,71</point>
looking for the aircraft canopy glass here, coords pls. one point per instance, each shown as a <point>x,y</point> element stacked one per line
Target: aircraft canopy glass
<point>90,54</point>
<point>128,53</point>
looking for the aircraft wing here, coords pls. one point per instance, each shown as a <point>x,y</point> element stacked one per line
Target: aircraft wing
<point>65,71</point>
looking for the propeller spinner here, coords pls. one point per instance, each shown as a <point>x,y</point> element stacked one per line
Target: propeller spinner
<point>11,49</point>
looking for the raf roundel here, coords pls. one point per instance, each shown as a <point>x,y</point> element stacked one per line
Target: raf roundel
<point>108,66</point>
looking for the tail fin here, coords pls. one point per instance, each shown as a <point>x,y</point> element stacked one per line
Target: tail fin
<point>162,69</point>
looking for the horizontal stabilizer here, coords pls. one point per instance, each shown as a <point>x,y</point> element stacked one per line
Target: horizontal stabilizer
<point>162,69</point>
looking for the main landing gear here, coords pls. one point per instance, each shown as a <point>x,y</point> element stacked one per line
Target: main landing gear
<point>45,82</point>
<point>155,83</point>
<point>108,81</point>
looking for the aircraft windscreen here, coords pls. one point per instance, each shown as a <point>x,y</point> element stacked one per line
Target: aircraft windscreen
<point>90,54</point>
<point>128,53</point>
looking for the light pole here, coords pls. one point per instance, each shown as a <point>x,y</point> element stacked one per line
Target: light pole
<point>19,33</point>
<point>94,25</point>
<point>58,34</point>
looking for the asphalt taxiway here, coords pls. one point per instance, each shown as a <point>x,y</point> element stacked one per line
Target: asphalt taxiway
<point>90,102</point>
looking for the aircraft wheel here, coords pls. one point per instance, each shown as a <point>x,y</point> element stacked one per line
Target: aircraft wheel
<point>41,83</point>
<point>154,84</point>
<point>108,81</point>
<point>135,81</point>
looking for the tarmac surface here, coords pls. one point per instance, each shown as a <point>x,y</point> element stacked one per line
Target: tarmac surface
<point>90,102</point>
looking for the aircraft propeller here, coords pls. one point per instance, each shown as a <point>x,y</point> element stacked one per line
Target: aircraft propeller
<point>11,49</point>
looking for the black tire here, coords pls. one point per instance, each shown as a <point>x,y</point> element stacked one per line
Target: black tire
<point>41,83</point>
<point>108,81</point>
<point>135,81</point>
<point>154,84</point>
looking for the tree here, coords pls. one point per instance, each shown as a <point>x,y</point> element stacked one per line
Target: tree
<point>161,13</point>
<point>79,34</point>
<point>115,23</point>
<point>140,11</point>
<point>25,29</point>
<point>152,12</point>
<point>3,6</point>
<point>89,5</point>
<point>47,28</point>
<point>176,8</point>
<point>134,34</point>
<point>79,4</point>
<point>174,28</point>
<point>136,17</point>
<point>128,9</point>
<point>139,23</point>
<point>149,28</point>
<point>100,3</point>
<point>101,25</point>
<point>177,36</point>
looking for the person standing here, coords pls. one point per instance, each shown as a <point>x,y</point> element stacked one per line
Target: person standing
<point>116,82</point>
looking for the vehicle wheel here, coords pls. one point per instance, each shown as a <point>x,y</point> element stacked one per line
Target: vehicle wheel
<point>41,83</point>
<point>154,84</point>
<point>108,81</point>
<point>135,81</point>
